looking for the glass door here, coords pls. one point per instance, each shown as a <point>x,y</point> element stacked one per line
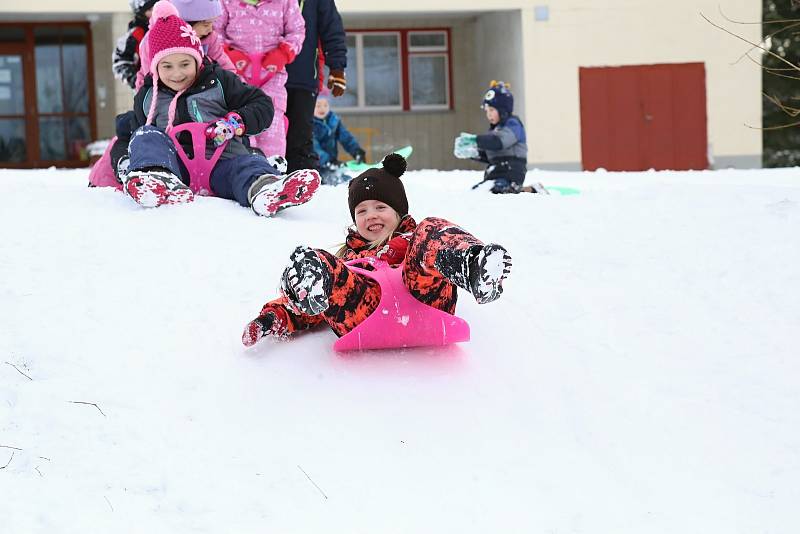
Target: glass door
<point>62,92</point>
<point>13,146</point>
<point>47,112</point>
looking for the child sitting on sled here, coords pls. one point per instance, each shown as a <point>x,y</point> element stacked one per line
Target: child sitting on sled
<point>436,256</point>
<point>503,147</point>
<point>200,15</point>
<point>183,87</point>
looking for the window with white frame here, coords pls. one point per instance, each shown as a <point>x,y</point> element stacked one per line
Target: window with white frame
<point>396,70</point>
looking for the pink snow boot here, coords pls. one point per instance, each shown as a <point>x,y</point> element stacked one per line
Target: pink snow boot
<point>155,188</point>
<point>270,194</point>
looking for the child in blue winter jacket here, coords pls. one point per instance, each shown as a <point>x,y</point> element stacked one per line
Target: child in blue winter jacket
<point>329,130</point>
<point>504,147</point>
<point>184,87</point>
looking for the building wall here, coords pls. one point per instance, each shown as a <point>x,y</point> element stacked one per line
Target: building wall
<point>123,94</point>
<point>623,32</point>
<point>577,33</point>
<point>105,84</point>
<point>431,133</point>
<point>500,55</point>
<point>634,33</point>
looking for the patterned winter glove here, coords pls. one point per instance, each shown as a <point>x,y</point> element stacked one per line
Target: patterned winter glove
<point>276,59</point>
<point>394,252</point>
<point>225,129</point>
<point>360,156</point>
<point>269,324</point>
<point>466,146</point>
<point>337,82</point>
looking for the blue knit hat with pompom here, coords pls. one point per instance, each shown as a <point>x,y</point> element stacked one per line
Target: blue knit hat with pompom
<point>500,98</point>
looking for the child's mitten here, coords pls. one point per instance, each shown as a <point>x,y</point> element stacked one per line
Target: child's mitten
<point>394,252</point>
<point>276,59</point>
<point>268,324</point>
<point>238,58</point>
<point>466,146</point>
<point>225,129</point>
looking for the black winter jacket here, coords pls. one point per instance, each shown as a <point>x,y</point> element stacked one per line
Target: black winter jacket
<point>215,92</point>
<point>323,25</point>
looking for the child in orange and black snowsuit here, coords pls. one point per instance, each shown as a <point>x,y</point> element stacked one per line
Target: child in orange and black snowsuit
<point>318,287</point>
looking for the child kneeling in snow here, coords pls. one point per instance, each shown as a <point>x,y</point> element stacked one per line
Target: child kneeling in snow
<point>436,257</point>
<point>181,88</point>
<point>503,147</point>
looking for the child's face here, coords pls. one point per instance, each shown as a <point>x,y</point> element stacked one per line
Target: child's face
<point>375,220</point>
<point>492,115</point>
<point>204,27</point>
<point>322,108</point>
<point>177,71</point>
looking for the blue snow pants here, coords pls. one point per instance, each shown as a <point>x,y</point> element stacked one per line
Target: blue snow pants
<point>231,178</point>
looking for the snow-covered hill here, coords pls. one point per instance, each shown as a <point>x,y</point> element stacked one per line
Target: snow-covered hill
<point>641,374</point>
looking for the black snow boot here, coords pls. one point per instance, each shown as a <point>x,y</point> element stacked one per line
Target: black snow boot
<point>306,282</point>
<point>479,269</point>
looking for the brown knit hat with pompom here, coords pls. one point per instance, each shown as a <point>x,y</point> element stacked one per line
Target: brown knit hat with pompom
<point>381,183</point>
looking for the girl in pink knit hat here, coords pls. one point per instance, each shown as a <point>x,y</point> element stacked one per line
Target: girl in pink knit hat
<point>200,15</point>
<point>182,87</point>
<point>272,32</point>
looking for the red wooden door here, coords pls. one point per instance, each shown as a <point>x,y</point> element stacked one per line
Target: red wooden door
<point>644,117</point>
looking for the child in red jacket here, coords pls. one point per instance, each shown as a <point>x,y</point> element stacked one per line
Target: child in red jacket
<point>436,257</point>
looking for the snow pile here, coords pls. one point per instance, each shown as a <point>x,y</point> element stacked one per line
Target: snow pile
<point>639,374</point>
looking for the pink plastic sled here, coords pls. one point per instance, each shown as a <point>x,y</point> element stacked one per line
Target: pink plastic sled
<point>241,60</point>
<point>199,167</point>
<point>102,175</point>
<point>400,320</point>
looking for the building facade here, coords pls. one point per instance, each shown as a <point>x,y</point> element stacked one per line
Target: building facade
<point>615,84</point>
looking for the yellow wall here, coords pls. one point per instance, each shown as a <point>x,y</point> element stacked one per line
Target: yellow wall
<point>579,33</point>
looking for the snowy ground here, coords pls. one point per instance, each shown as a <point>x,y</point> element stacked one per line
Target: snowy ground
<point>639,375</point>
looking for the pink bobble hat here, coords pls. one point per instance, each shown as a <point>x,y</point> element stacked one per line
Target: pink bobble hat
<point>169,34</point>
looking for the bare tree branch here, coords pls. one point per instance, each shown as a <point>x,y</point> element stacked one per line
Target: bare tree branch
<point>765,39</point>
<point>765,128</point>
<point>20,372</point>
<point>10,447</point>
<point>726,17</point>
<point>315,484</point>
<point>9,460</point>
<point>90,404</point>
<point>754,45</point>
<point>791,111</point>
